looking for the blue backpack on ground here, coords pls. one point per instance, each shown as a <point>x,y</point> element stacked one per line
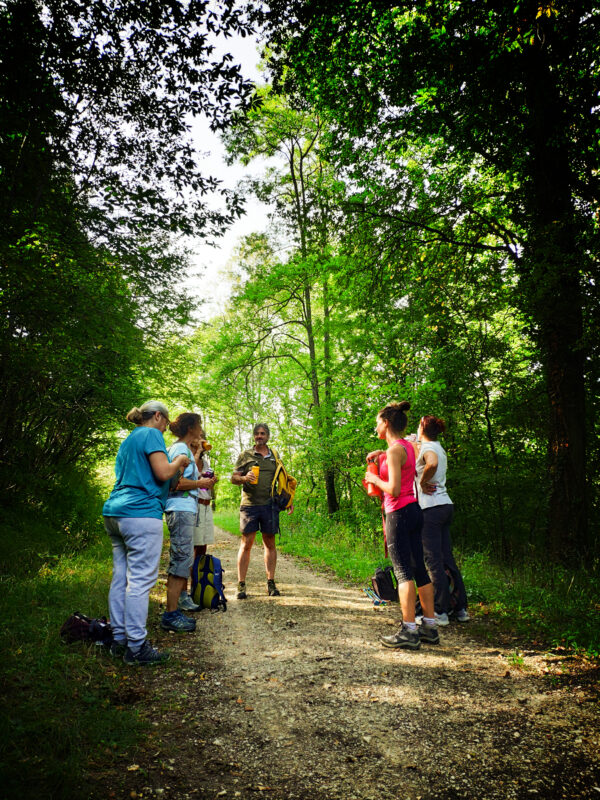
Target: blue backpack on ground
<point>207,583</point>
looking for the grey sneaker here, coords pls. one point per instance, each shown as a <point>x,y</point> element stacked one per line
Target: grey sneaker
<point>272,590</point>
<point>463,615</point>
<point>428,634</point>
<point>117,649</point>
<point>178,623</point>
<point>241,592</point>
<point>442,619</point>
<point>187,604</point>
<point>404,638</point>
<point>146,656</point>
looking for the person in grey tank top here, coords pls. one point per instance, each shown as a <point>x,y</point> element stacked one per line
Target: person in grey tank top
<point>438,511</point>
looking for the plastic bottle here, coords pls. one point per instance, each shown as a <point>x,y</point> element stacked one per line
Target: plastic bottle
<point>372,490</point>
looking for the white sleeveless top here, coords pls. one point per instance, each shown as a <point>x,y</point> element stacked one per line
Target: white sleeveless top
<point>440,497</point>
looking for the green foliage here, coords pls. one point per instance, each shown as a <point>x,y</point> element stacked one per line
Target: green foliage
<point>472,129</point>
<point>59,709</point>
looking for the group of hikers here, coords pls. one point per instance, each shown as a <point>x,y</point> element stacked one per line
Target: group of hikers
<point>151,481</point>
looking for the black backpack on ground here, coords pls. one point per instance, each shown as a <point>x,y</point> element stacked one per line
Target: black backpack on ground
<point>384,585</point>
<point>79,628</point>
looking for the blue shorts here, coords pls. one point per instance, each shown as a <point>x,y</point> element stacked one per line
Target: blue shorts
<point>259,518</point>
<point>181,553</point>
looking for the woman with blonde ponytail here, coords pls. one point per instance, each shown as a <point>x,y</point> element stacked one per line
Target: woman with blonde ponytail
<point>133,520</point>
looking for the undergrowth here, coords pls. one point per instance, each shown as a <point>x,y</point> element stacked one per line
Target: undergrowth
<point>57,714</point>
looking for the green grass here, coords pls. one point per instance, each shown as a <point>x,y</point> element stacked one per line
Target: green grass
<point>57,712</point>
<point>539,602</point>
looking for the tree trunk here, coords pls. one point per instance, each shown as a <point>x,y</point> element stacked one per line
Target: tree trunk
<point>553,261</point>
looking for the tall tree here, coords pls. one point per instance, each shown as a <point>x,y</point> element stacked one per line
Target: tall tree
<point>97,172</point>
<point>302,192</point>
<point>513,88</point>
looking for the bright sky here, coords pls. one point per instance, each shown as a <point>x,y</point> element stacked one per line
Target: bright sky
<point>209,281</point>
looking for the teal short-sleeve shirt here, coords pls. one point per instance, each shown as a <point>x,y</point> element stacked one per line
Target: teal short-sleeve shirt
<point>137,492</point>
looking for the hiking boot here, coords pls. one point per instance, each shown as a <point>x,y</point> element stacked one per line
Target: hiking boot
<point>117,649</point>
<point>146,656</point>
<point>428,634</point>
<point>178,623</point>
<point>463,615</point>
<point>442,619</point>
<point>403,639</point>
<point>241,592</point>
<point>272,590</point>
<point>187,604</point>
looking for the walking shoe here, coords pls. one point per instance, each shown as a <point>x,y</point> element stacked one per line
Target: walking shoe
<point>241,592</point>
<point>177,622</point>
<point>146,656</point>
<point>428,634</point>
<point>442,619</point>
<point>272,590</point>
<point>463,615</point>
<point>117,649</point>
<point>404,638</point>
<point>187,604</point>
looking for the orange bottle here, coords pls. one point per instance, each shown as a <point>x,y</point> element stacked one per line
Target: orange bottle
<point>372,490</point>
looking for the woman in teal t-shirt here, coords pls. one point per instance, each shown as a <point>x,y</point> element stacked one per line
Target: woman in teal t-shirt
<point>133,520</point>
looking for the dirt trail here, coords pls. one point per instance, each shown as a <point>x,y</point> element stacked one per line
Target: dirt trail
<point>293,697</point>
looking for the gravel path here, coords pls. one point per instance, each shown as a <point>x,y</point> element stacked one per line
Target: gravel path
<point>293,697</point>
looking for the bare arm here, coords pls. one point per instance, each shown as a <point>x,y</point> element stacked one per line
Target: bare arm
<point>238,479</point>
<point>396,458</point>
<point>431,464</point>
<point>164,469</point>
<point>185,484</point>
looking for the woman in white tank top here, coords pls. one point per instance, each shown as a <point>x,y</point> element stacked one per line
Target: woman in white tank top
<point>438,511</point>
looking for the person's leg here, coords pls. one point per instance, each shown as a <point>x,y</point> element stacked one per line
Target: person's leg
<point>449,561</point>
<point>407,597</point>
<point>270,554</point>
<point>143,539</point>
<point>118,585</point>
<point>400,556</point>
<point>243,559</point>
<point>414,525</point>
<point>434,519</point>
<point>181,529</point>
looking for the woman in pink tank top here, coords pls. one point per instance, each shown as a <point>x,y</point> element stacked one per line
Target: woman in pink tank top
<point>403,524</point>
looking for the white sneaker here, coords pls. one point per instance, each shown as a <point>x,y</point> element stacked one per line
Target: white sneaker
<point>442,619</point>
<point>463,615</point>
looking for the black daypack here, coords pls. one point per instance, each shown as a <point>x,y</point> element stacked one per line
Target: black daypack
<point>383,584</point>
<point>79,628</point>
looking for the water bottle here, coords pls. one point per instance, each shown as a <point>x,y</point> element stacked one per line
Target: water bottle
<point>372,490</point>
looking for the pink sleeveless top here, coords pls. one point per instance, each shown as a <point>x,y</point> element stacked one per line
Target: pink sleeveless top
<point>407,479</point>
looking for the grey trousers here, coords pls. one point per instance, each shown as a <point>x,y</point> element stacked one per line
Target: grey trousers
<point>437,549</point>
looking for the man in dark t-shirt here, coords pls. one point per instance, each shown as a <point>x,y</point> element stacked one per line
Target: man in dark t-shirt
<point>254,472</point>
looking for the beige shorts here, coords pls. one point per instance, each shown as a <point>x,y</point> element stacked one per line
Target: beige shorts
<point>204,530</point>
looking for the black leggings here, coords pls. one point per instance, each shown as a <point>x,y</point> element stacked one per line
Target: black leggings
<point>403,534</point>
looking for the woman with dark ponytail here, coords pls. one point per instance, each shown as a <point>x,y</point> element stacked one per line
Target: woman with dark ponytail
<point>438,511</point>
<point>403,523</point>
<point>181,513</point>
